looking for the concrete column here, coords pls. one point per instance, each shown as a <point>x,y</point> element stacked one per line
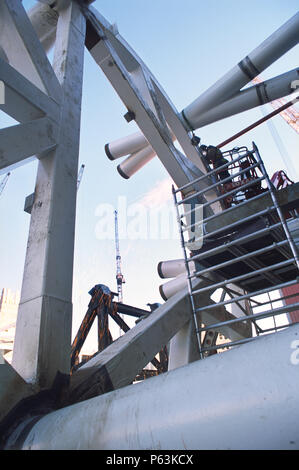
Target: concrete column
<point>43,332</point>
<point>183,347</point>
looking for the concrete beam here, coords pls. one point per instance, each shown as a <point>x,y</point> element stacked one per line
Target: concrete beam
<point>23,100</point>
<point>183,347</point>
<point>119,364</point>
<point>250,98</point>
<point>19,142</point>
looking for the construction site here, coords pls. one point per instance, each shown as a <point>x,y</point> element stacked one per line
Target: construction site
<point>211,360</point>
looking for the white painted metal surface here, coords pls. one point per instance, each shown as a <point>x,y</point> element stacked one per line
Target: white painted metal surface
<point>256,408</point>
<point>126,145</point>
<point>183,347</point>
<point>169,288</point>
<point>172,268</point>
<point>252,65</point>
<point>247,99</point>
<point>135,162</point>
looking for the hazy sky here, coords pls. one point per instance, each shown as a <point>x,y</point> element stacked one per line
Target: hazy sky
<point>188,45</point>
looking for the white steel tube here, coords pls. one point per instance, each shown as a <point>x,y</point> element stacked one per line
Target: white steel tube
<point>246,398</point>
<point>266,92</point>
<point>172,268</point>
<point>259,59</point>
<point>126,145</point>
<point>135,162</point>
<point>170,288</point>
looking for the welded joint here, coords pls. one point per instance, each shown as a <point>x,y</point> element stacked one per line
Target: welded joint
<point>261,91</point>
<point>248,68</point>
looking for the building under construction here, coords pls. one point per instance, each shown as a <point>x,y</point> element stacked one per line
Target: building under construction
<point>239,233</point>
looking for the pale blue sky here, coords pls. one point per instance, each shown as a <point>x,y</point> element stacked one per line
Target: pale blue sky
<point>187,45</point>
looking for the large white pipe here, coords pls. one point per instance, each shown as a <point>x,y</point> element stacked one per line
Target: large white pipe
<point>135,162</point>
<point>246,398</point>
<point>170,288</point>
<point>173,268</point>
<point>249,98</point>
<point>276,45</point>
<point>126,145</point>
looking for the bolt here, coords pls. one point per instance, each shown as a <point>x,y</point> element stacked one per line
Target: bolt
<point>129,116</point>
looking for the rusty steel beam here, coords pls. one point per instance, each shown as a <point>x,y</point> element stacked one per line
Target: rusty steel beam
<point>104,335</point>
<point>131,311</point>
<point>112,310</point>
<point>101,305</point>
<point>163,355</point>
<point>85,326</point>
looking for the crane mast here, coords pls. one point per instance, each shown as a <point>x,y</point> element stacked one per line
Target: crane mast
<point>119,277</point>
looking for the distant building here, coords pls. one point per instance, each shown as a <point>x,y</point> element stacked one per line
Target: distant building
<point>9,303</point>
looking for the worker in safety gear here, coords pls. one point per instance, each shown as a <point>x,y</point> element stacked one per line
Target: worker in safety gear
<point>214,156</point>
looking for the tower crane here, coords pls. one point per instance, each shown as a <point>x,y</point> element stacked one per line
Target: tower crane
<point>119,277</point>
<point>3,182</point>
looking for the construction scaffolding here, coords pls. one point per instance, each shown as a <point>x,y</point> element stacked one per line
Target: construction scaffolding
<point>239,258</point>
<point>239,237</point>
